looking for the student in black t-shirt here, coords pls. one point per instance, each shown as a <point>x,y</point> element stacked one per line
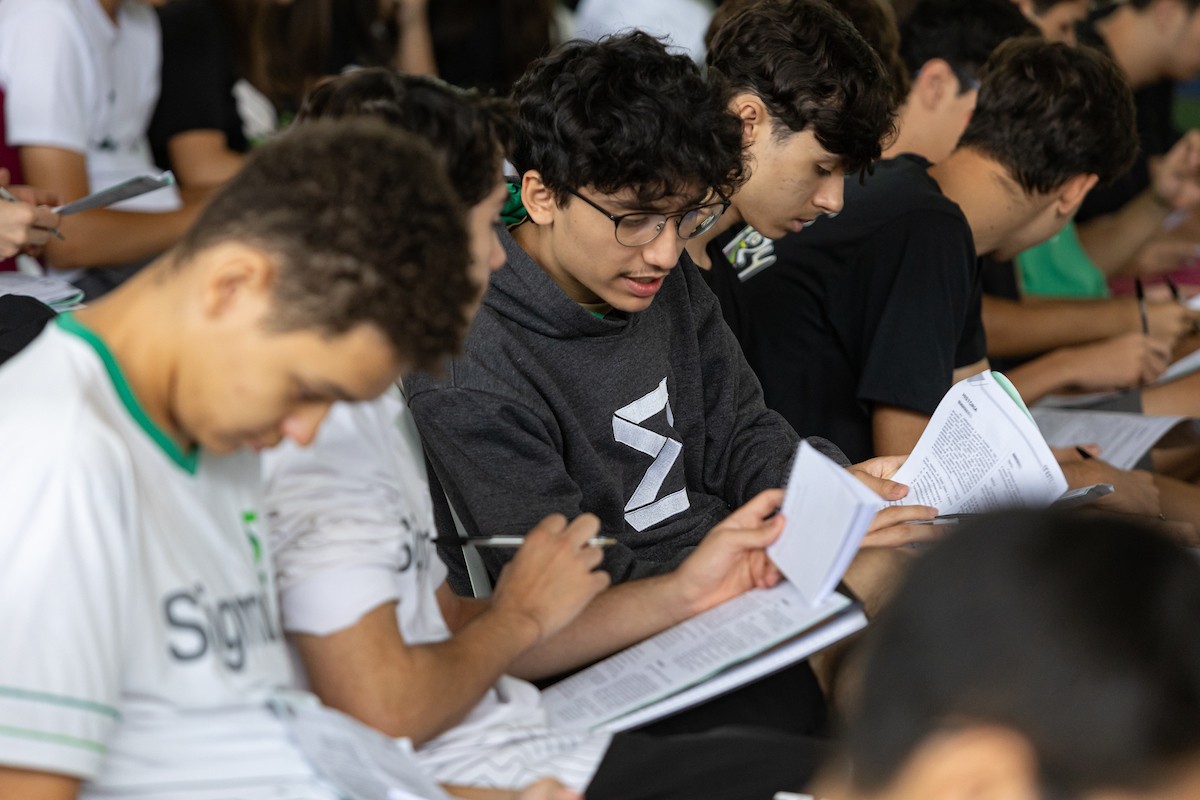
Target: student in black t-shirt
<point>878,309</point>
<point>815,104</point>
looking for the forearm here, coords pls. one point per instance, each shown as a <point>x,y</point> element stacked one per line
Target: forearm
<point>117,238</point>
<point>1043,376</point>
<point>1112,241</point>
<point>1018,329</point>
<point>414,51</point>
<point>621,616</point>
<point>416,691</point>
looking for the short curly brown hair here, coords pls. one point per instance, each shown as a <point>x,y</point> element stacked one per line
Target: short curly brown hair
<point>363,226</point>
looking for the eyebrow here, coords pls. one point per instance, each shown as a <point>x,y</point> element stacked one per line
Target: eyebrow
<point>699,200</point>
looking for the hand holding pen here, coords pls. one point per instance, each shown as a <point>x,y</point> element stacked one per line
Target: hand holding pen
<point>26,224</point>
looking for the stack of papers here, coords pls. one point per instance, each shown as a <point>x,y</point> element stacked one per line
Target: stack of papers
<point>54,292</point>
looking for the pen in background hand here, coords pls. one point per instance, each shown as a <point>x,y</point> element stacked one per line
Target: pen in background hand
<point>1141,301</point>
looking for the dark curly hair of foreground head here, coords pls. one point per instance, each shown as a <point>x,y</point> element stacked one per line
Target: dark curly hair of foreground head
<point>624,113</point>
<point>470,132</point>
<point>1049,112</point>
<point>813,71</point>
<point>1079,633</point>
<point>363,226</point>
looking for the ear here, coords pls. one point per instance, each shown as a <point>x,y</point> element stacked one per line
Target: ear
<point>1026,7</point>
<point>538,200</point>
<point>934,84</point>
<point>1072,193</point>
<point>237,280</point>
<point>979,762</point>
<point>756,120</point>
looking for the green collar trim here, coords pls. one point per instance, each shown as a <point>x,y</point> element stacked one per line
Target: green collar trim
<point>187,461</point>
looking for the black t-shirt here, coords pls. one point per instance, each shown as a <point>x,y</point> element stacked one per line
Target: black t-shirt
<point>877,305</point>
<point>1156,131</point>
<point>199,70</point>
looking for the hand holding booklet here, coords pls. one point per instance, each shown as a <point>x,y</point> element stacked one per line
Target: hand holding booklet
<point>981,452</point>
<point>827,513</point>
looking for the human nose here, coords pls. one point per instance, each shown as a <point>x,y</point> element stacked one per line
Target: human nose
<point>831,194</point>
<point>666,248</point>
<point>301,425</point>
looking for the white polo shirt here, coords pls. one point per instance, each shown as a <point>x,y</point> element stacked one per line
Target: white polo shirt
<point>74,80</point>
<point>351,527</point>
<point>139,636</point>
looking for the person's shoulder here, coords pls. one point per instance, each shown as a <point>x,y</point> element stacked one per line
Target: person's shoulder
<point>51,407</point>
<point>40,19</point>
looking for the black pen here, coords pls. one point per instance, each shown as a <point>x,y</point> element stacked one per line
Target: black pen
<point>1174,288</point>
<point>1141,299</point>
<point>1086,455</point>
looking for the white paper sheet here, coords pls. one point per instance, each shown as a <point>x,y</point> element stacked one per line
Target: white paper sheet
<point>360,763</point>
<point>981,452</point>
<point>1123,438</point>
<point>691,653</point>
<point>828,512</point>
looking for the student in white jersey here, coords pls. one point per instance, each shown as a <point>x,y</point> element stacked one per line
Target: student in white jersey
<point>140,634</point>
<point>364,595</point>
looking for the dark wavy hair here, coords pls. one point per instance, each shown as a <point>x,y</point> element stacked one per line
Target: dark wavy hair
<point>875,20</point>
<point>624,113</point>
<point>1080,634</point>
<point>812,70</point>
<point>363,226</point>
<point>963,33</point>
<point>1049,112</point>
<point>469,131</point>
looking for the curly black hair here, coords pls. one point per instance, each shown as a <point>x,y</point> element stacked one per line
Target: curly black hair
<point>962,33</point>
<point>469,131</point>
<point>324,201</point>
<point>1049,112</point>
<point>812,70</point>
<point>625,113</point>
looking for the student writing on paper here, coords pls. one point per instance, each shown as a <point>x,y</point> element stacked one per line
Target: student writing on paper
<point>363,592</point>
<point>80,79</point>
<point>1032,656</point>
<point>132,540</point>
<point>25,225</point>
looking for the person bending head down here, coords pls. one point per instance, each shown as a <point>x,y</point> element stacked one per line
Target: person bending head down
<point>1034,656</point>
<point>814,102</point>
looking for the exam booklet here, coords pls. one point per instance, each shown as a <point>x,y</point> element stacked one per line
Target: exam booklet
<point>827,512</point>
<point>981,452</point>
<point>1124,439</point>
<point>739,641</point>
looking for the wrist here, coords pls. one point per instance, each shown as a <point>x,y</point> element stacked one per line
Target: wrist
<point>518,627</point>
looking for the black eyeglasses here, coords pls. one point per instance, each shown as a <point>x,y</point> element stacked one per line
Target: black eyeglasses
<point>643,227</point>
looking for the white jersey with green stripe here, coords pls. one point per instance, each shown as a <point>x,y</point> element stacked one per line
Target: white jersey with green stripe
<point>139,634</point>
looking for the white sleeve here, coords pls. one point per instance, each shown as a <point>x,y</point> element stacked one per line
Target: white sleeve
<point>66,565</point>
<point>46,80</point>
<point>336,511</point>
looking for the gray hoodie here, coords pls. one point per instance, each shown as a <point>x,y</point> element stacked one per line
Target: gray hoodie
<point>652,421</point>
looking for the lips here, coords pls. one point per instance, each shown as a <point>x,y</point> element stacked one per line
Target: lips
<point>643,286</point>
<point>798,225</point>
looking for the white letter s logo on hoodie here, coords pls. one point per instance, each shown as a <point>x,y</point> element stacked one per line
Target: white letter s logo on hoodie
<point>644,509</point>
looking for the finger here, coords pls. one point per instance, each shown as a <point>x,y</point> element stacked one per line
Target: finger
<point>900,535</point>
<point>5,177</point>
<point>582,528</point>
<point>549,526</point>
<point>881,466</point>
<point>895,515</point>
<point>758,508</point>
<point>885,488</point>
<point>45,218</point>
<point>38,237</point>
